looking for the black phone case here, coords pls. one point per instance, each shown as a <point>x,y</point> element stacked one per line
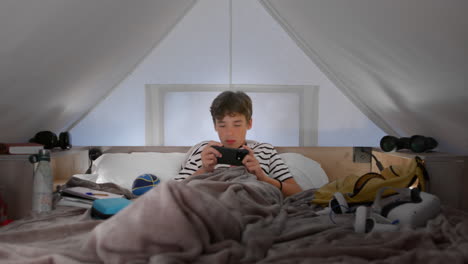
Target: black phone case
<point>231,156</point>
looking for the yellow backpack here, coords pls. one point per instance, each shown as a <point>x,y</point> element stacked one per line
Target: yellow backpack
<point>363,189</point>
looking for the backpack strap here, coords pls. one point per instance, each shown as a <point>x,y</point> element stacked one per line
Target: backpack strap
<point>421,175</point>
<point>363,180</point>
<point>421,166</point>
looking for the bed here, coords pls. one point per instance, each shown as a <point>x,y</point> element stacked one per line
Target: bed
<point>223,217</point>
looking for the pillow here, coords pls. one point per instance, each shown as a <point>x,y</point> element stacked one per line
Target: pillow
<point>307,172</point>
<point>87,177</point>
<point>123,168</point>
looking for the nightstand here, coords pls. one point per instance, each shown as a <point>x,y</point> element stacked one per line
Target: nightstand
<point>17,174</point>
<point>16,179</point>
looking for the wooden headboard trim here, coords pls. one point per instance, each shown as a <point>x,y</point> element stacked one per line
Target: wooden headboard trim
<point>337,162</point>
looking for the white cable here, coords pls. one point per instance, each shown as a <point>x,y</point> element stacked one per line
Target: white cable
<point>341,201</point>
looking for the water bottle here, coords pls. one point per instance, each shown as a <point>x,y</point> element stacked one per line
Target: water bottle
<point>43,182</point>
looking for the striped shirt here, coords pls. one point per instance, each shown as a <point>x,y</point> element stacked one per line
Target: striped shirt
<point>271,163</point>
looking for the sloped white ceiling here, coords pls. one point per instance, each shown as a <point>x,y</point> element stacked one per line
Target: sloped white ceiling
<point>197,51</point>
<point>404,63</point>
<point>58,58</point>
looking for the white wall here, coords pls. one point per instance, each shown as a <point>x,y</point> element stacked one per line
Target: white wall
<point>197,52</point>
<point>281,130</point>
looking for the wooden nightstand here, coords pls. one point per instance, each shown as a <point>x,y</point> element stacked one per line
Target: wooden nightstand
<point>16,177</point>
<point>448,173</point>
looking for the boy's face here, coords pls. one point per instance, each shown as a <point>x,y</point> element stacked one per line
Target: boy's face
<point>232,130</point>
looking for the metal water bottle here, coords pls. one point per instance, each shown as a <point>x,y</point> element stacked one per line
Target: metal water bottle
<point>43,182</point>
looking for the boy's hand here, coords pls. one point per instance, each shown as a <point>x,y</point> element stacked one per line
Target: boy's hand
<point>252,165</point>
<point>209,156</point>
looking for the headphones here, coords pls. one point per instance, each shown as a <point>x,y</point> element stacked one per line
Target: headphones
<point>415,143</point>
<point>49,140</point>
<point>93,154</point>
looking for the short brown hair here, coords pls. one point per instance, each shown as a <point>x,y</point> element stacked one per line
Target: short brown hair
<point>228,103</point>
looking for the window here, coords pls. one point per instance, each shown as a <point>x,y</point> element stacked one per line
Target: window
<point>178,115</point>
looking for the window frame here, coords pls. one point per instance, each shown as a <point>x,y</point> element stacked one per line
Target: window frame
<point>308,100</point>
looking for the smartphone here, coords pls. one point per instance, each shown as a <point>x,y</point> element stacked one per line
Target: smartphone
<point>231,156</point>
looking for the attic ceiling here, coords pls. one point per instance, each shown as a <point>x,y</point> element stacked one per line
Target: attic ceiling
<point>404,63</point>
<point>59,58</point>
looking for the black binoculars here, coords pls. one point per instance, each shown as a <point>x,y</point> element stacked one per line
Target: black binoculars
<point>50,140</point>
<point>415,143</point>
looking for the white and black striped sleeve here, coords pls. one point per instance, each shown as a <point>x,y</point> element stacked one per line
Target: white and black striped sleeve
<point>271,162</point>
<point>193,162</point>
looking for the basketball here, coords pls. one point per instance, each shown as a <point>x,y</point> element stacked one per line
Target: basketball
<point>144,183</point>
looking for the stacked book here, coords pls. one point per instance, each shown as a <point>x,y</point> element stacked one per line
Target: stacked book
<point>83,197</point>
<point>20,148</point>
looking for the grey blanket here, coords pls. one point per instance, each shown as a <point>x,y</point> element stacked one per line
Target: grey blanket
<point>226,217</point>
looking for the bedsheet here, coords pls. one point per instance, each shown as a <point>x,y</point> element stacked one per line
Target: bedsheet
<point>226,217</point>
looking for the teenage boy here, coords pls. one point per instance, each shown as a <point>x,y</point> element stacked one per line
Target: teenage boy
<point>232,117</point>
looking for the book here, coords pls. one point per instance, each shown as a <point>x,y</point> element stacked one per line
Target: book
<point>77,202</point>
<point>20,148</point>
<point>88,193</point>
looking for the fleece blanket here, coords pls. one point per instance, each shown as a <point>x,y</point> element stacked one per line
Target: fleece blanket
<point>226,217</point>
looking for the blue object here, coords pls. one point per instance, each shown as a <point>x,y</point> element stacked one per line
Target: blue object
<point>99,194</point>
<point>105,208</point>
<point>144,183</point>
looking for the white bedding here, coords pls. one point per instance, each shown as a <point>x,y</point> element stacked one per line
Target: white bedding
<point>123,168</point>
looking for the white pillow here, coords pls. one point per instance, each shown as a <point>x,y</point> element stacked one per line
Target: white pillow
<point>87,177</point>
<point>123,168</point>
<point>307,172</point>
